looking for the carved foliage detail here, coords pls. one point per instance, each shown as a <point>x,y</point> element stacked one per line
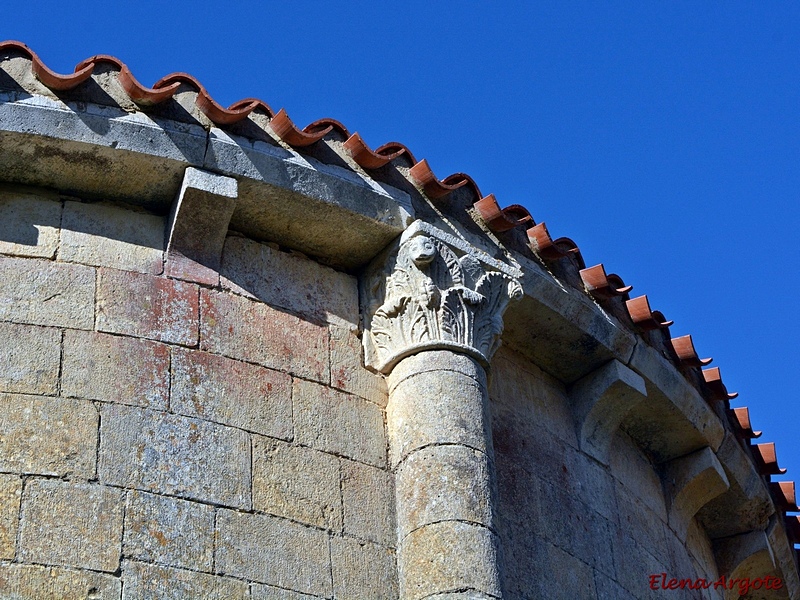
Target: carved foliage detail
<point>435,298</point>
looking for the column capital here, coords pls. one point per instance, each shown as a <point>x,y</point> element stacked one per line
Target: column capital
<point>431,291</point>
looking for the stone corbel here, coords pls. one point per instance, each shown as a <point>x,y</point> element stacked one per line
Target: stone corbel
<point>600,402</point>
<point>198,225</point>
<point>744,555</point>
<point>691,482</point>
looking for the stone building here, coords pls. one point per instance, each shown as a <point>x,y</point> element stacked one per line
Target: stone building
<point>239,359</point>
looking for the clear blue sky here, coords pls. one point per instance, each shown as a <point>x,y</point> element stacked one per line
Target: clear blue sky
<point>663,137</point>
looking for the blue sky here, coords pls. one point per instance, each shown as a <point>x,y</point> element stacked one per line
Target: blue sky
<point>662,137</point>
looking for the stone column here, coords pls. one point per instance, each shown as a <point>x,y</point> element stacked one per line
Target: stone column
<point>433,308</point>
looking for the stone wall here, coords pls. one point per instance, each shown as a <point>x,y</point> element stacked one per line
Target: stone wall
<point>161,438</point>
<point>570,526</point>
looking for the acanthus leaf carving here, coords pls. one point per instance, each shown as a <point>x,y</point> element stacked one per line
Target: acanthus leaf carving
<point>438,293</point>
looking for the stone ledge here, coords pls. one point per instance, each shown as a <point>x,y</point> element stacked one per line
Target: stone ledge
<point>105,153</point>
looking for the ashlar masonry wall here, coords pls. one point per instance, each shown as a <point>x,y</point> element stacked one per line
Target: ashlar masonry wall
<point>162,438</point>
<point>570,526</point>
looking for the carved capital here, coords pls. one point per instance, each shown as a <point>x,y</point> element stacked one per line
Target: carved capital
<point>432,291</point>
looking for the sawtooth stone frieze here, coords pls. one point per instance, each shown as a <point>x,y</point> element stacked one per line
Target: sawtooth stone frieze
<point>432,290</point>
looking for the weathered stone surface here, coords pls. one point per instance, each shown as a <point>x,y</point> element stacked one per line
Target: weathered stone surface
<point>369,503</point>
<point>71,524</point>
<point>440,483</point>
<point>231,392</point>
<point>29,582</point>
<point>271,550</point>
<point>47,436</point>
<point>29,358</point>
<point>632,470</point>
<point>674,420</point>
<point>111,368</point>
<point>154,582</point>
<point>47,293</point>
<point>174,455</point>
<point>362,570</point>
<point>691,482</point>
<point>526,389</point>
<point>110,236</point>
<point>600,401</point>
<point>198,223</point>
<point>429,409</point>
<point>297,483</point>
<point>145,306</point>
<point>290,281</point>
<point>169,531</point>
<point>10,493</point>
<point>28,225</point>
<point>448,556</point>
<point>268,592</point>
<point>335,422</point>
<point>608,589</point>
<point>347,370</point>
<point>251,331</point>
<point>432,290</point>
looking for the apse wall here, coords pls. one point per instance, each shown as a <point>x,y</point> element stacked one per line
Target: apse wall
<point>163,438</point>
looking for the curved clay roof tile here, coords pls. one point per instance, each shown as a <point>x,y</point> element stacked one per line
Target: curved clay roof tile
<point>767,459</point>
<point>502,219</point>
<point>437,189</point>
<point>367,158</point>
<point>603,286</point>
<point>288,132</point>
<point>643,317</point>
<point>741,418</point>
<point>784,494</point>
<point>687,355</point>
<point>713,380</point>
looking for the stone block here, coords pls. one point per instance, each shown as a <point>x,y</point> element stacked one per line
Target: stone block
<point>231,392</point>
<point>600,401</point>
<point>690,483</point>
<point>47,436</point>
<point>155,582</point>
<point>267,592</point>
<point>297,483</point>
<point>111,368</point>
<point>443,483</point>
<point>369,503</point>
<point>290,281</point>
<point>347,368</point>
<point>29,359</point>
<point>362,570</point>
<point>168,531</point>
<point>174,455</point>
<point>436,407</point>
<point>10,493</point>
<point>633,470</point>
<point>448,556</point>
<point>109,236</point>
<point>198,224</point>
<point>29,225</point>
<point>335,422</point>
<point>42,292</point>
<point>144,306</point>
<point>28,582</point>
<point>271,550</point>
<point>527,390</point>
<point>251,331</point>
<point>70,524</point>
